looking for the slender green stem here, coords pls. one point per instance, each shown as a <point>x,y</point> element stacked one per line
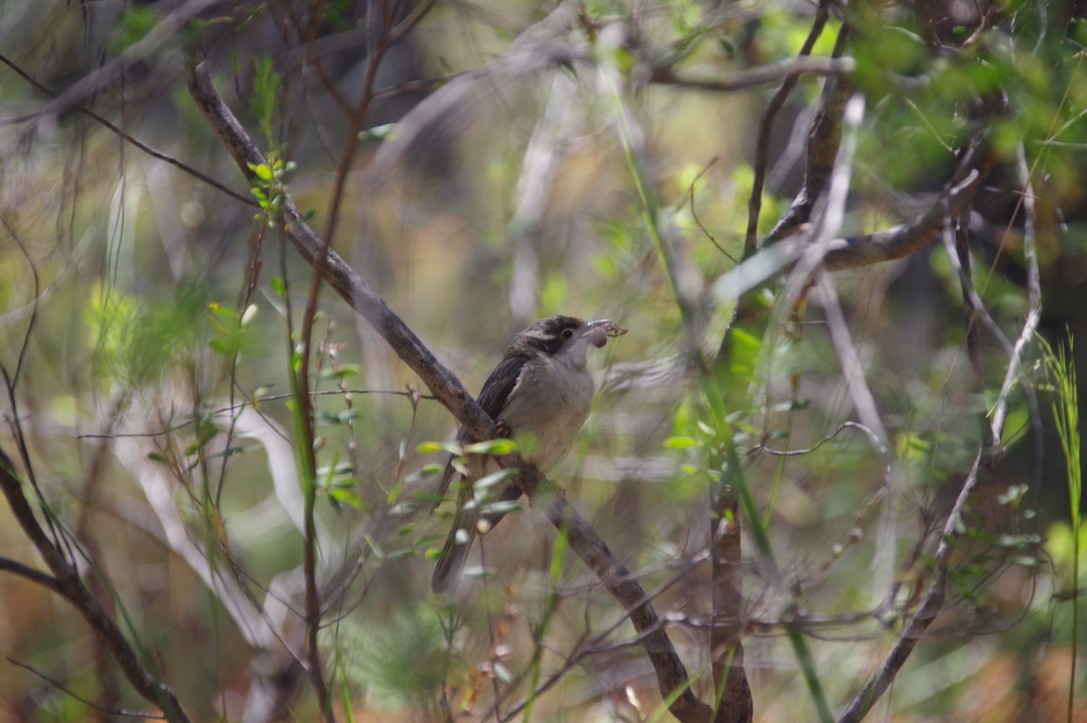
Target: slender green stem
<point>1065,407</point>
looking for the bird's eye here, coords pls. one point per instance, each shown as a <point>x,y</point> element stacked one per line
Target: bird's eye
<point>567,333</point>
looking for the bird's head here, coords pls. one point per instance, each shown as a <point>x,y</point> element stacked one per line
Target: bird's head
<point>565,336</point>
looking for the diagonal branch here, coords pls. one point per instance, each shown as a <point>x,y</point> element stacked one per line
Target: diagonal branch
<point>583,539</point>
<point>337,273</point>
<point>901,241</point>
<point>128,138</point>
<point>773,107</point>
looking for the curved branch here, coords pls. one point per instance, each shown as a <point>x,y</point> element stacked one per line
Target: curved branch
<point>594,552</point>
<point>94,82</point>
<point>901,241</point>
<point>824,140</point>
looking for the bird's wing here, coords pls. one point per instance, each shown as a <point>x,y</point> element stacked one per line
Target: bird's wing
<point>502,381</point>
<point>496,391</point>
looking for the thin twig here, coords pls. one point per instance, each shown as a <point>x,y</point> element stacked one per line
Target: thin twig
<point>337,273</point>
<point>248,200</point>
<point>92,83</point>
<point>824,141</point>
<point>975,306</point>
<point>35,576</point>
<point>110,711</point>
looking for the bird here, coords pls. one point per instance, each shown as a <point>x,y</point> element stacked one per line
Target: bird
<point>541,387</point>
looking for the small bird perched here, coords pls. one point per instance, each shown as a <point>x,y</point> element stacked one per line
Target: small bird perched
<point>542,387</point>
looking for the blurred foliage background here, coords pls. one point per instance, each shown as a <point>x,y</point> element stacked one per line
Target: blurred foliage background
<point>151,321</point>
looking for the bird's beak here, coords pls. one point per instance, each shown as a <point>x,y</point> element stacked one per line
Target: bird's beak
<point>598,331</point>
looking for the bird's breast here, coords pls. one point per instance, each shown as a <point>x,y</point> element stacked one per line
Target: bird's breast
<point>551,401</point>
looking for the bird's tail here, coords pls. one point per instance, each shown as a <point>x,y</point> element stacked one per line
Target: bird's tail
<point>466,523</point>
<point>455,552</point>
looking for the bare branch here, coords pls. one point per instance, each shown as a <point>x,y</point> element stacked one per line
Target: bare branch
<point>762,142</point>
<point>975,306</point>
<point>671,674</point>
<point>824,139</point>
<point>35,576</point>
<point>92,83</point>
<point>901,241</point>
<point>337,273</point>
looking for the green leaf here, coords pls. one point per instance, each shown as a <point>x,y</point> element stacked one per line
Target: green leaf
<point>496,447</point>
<point>384,132</point>
<point>347,415</point>
<point>493,479</point>
<point>432,447</point>
<point>374,546</point>
<point>745,355</point>
<point>346,496</point>
<point>134,24</point>
<point>680,443</point>
<point>262,171</point>
<point>341,372</point>
<point>220,310</point>
<point>501,508</point>
<point>229,452</point>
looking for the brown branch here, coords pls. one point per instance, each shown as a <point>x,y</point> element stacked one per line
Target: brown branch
<point>824,140</point>
<point>449,391</point>
<point>68,584</point>
<point>594,552</point>
<point>337,273</point>
<point>29,573</point>
<point>735,704</point>
<point>766,124</point>
<point>376,49</point>
<point>94,82</point>
<point>730,678</point>
<point>901,241</point>
<point>101,709</point>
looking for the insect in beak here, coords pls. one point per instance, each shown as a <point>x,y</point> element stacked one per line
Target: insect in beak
<point>600,330</point>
